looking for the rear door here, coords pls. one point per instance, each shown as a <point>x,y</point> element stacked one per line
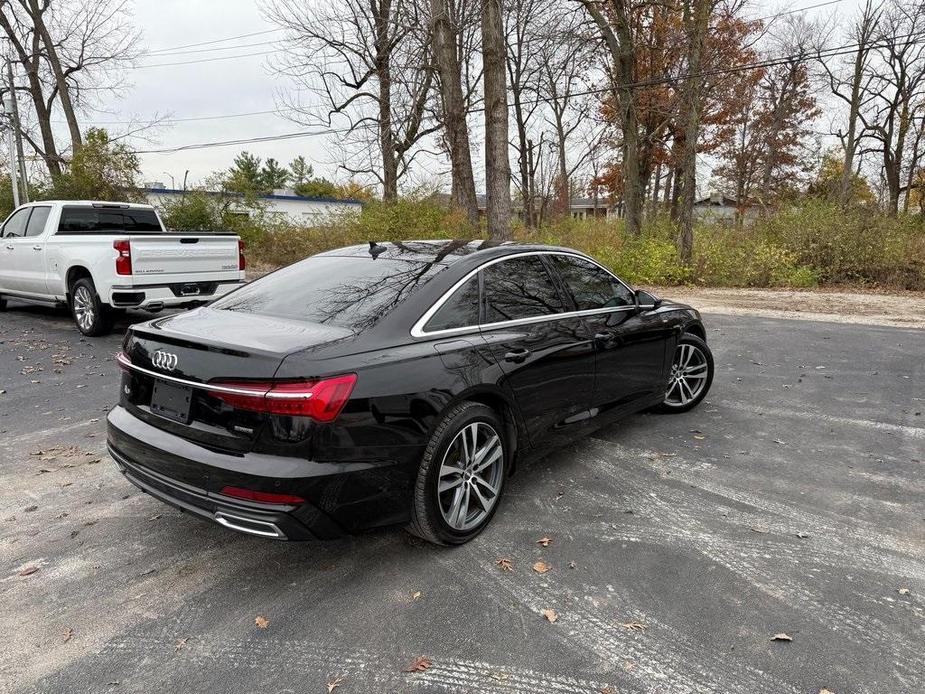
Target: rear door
<point>31,261</point>
<point>548,360</point>
<point>629,343</point>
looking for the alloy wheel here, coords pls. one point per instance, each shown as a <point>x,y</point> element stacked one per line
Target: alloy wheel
<point>688,375</point>
<point>84,310</point>
<point>470,476</point>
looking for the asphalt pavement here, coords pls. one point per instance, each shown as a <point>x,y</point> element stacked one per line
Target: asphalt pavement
<point>789,503</point>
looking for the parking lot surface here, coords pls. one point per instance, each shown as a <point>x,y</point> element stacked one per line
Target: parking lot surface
<point>790,503</point>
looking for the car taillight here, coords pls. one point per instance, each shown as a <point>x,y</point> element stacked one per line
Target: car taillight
<point>263,497</point>
<point>124,257</point>
<point>322,400</point>
<point>242,261</point>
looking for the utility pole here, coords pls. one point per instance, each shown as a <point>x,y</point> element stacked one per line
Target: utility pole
<point>17,132</point>
<point>13,163</point>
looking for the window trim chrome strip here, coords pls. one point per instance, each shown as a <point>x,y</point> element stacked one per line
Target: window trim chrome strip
<point>417,330</point>
<point>125,363</point>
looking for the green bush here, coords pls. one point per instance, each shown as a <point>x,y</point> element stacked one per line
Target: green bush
<point>801,246</point>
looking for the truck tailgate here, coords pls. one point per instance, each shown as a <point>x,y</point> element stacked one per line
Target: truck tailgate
<point>174,257</point>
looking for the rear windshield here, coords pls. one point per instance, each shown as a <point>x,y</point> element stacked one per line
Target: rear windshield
<point>88,220</point>
<point>348,292</point>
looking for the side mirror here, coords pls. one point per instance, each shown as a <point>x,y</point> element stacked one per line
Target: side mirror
<point>645,300</point>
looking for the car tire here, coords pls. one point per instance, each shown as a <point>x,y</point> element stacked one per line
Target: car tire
<point>91,316</point>
<point>691,375</point>
<point>448,507</point>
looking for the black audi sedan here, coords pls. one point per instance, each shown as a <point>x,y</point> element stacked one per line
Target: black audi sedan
<point>392,383</point>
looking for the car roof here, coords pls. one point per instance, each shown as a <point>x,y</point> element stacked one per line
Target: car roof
<point>441,252</point>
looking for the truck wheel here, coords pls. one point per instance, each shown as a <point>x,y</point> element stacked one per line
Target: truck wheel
<point>90,315</point>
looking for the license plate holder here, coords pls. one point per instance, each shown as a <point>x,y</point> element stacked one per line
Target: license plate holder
<point>171,401</point>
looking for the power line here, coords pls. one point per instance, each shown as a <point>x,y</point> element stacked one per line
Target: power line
<point>244,141</point>
<point>203,60</point>
<point>797,10</point>
<point>209,43</point>
<point>233,46</point>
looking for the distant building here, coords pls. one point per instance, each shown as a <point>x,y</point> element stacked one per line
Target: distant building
<point>283,204</point>
<point>717,207</point>
<point>579,208</point>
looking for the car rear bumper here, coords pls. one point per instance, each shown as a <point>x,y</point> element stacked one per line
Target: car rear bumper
<point>137,448</point>
<point>157,296</point>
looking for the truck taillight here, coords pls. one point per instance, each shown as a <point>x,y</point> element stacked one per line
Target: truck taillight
<point>322,400</point>
<point>124,257</point>
<point>242,261</point>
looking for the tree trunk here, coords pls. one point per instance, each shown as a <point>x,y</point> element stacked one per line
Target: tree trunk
<point>51,54</point>
<point>847,172</point>
<point>523,161</point>
<point>454,110</point>
<point>697,20</point>
<point>384,73</point>
<point>497,165</point>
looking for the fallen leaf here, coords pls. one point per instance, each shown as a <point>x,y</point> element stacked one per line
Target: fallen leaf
<point>802,535</point>
<point>699,437</point>
<point>545,541</point>
<point>28,571</point>
<point>334,684</point>
<point>541,567</point>
<point>826,691</point>
<point>572,565</point>
<point>180,644</point>
<point>903,591</point>
<point>419,664</point>
<point>261,622</point>
<point>782,637</point>
<point>67,635</point>
<point>551,615</point>
<point>416,595</point>
<point>500,676</point>
<point>30,509</point>
<point>504,564</point>
<point>763,531</point>
<point>634,626</point>
<point>155,517</point>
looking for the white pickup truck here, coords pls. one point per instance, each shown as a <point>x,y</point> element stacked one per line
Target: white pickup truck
<point>101,257</point>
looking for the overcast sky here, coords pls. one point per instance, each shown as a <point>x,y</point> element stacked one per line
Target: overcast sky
<point>233,86</point>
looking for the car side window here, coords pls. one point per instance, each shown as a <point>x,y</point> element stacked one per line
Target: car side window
<point>15,226</point>
<point>461,310</point>
<point>591,286</point>
<point>519,288</point>
<point>37,221</point>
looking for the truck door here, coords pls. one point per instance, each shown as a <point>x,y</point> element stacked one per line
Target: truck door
<point>32,258</point>
<point>13,250</point>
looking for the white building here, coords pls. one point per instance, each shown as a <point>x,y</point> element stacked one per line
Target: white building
<point>283,204</point>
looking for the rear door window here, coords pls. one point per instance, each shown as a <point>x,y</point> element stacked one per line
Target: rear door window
<point>37,221</point>
<point>90,220</point>
<point>519,288</point>
<point>348,292</point>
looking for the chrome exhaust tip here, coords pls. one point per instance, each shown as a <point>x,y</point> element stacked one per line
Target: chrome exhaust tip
<point>249,525</point>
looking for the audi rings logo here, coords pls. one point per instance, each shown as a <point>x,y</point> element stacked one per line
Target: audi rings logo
<point>164,360</point>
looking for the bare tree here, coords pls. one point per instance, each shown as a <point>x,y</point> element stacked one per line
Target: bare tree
<point>894,92</point>
<point>614,22</point>
<point>497,165</point>
<point>851,88</point>
<point>371,65</point>
<point>446,18</point>
<point>72,53</point>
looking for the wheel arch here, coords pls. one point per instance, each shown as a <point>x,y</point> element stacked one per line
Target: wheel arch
<point>696,328</point>
<point>503,404</point>
<point>74,273</point>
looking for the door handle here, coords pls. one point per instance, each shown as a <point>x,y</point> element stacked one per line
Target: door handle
<point>517,355</point>
<point>36,248</point>
<point>10,246</point>
<point>605,337</point>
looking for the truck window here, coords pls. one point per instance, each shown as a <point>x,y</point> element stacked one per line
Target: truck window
<point>95,220</point>
<point>37,221</point>
<point>15,226</point>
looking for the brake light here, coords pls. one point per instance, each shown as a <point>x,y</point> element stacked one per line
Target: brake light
<point>124,257</point>
<point>263,497</point>
<point>242,261</point>
<point>321,400</point>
